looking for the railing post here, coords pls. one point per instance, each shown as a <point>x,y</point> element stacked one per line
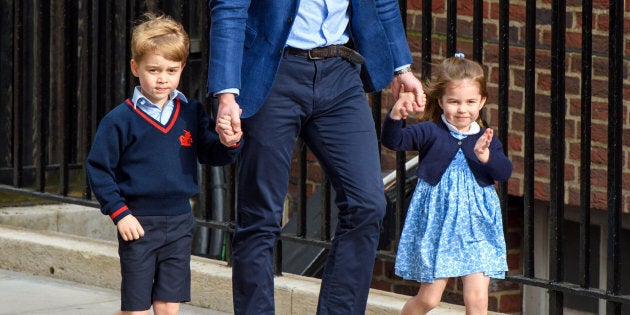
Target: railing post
<point>615,149</point>
<point>556,172</point>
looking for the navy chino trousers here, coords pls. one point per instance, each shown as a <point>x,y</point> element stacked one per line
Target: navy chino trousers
<point>323,102</point>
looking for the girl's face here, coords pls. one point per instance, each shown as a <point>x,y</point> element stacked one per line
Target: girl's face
<point>461,103</point>
<point>158,76</point>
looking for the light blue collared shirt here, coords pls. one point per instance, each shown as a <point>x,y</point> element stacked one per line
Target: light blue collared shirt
<point>329,17</point>
<point>160,114</point>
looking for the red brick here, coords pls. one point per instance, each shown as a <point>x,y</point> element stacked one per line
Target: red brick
<point>517,13</point>
<point>510,303</point>
<point>599,200</point>
<point>381,285</point>
<point>502,285</point>
<point>414,5</point>
<point>514,261</point>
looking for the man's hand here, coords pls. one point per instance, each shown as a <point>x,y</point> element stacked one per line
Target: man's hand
<point>229,107</point>
<point>407,82</point>
<point>129,228</point>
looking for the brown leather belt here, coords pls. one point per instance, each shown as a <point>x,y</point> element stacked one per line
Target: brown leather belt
<point>327,52</point>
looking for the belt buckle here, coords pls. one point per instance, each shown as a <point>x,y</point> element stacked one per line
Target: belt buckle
<point>311,57</point>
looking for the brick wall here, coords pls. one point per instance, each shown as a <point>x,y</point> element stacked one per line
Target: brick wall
<point>516,84</point>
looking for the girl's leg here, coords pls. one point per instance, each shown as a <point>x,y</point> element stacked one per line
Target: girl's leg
<point>165,308</point>
<point>428,297</point>
<point>476,293</point>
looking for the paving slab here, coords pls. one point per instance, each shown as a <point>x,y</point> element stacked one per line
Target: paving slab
<point>30,294</point>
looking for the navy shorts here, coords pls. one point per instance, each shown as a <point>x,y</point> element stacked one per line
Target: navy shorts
<point>156,267</point>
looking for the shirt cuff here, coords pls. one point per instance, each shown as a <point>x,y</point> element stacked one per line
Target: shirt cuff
<point>234,91</point>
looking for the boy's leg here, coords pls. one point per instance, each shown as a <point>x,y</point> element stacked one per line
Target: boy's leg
<point>137,268</point>
<point>165,308</point>
<point>132,312</point>
<point>167,242</point>
<point>172,277</point>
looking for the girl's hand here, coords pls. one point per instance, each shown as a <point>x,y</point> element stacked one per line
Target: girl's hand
<point>403,106</point>
<point>482,146</point>
<point>407,82</point>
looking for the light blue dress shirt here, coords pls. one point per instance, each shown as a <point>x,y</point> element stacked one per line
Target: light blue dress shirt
<point>329,17</point>
<point>160,114</point>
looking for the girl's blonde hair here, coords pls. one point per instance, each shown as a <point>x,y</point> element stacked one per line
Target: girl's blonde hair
<point>452,69</point>
<point>159,33</point>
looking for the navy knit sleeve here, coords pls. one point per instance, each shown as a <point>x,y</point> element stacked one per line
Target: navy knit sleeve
<point>395,137</point>
<point>101,163</point>
<point>499,166</point>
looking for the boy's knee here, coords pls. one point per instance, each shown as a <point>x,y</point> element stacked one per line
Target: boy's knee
<point>165,308</point>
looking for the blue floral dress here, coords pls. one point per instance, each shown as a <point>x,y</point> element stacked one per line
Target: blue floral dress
<point>452,229</point>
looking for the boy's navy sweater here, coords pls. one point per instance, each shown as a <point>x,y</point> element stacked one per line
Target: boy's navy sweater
<point>141,167</point>
<point>437,147</point>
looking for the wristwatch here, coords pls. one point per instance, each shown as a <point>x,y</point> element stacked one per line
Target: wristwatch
<point>403,70</point>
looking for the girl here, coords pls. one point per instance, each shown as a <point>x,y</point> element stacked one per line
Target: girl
<point>453,226</point>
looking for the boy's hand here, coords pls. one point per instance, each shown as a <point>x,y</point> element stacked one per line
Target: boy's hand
<point>404,106</point>
<point>229,107</point>
<point>226,132</point>
<point>481,147</point>
<point>129,228</point>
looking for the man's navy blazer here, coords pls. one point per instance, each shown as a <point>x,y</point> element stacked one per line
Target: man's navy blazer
<point>248,39</point>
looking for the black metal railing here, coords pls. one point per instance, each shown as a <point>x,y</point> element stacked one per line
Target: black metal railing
<point>64,64</point>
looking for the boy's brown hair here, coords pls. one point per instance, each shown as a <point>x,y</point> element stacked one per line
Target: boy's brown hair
<point>159,33</point>
<point>452,69</point>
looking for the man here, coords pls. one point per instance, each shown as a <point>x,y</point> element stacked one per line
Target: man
<point>284,65</point>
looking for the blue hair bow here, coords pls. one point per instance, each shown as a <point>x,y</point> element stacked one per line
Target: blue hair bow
<point>459,55</point>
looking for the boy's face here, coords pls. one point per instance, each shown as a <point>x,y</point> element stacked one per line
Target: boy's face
<point>158,76</point>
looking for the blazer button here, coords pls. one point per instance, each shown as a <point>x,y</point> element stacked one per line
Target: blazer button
<point>290,20</point>
<point>459,143</point>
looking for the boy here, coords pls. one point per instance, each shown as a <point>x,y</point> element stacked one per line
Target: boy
<point>143,169</point>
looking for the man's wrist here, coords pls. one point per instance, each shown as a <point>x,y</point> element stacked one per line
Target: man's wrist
<point>402,70</point>
<point>226,97</point>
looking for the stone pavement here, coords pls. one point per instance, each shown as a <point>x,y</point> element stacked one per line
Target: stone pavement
<point>22,293</point>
